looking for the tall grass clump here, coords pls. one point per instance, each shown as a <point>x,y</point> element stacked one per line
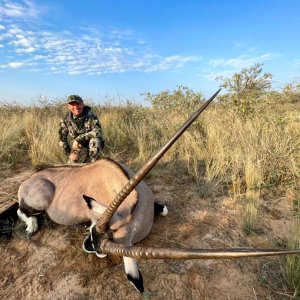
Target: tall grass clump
<point>264,142</point>
<point>41,123</point>
<point>169,110</point>
<point>248,154</point>
<point>293,261</point>
<point>125,132</point>
<point>30,132</point>
<point>136,131</point>
<point>41,133</point>
<point>12,146</point>
<point>252,201</point>
<point>258,150</point>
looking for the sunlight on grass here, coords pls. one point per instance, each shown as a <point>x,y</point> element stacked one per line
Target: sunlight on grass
<point>293,261</point>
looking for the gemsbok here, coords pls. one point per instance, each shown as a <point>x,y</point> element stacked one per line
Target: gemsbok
<point>120,206</point>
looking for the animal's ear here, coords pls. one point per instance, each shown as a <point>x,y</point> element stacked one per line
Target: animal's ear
<point>89,201</point>
<point>94,205</point>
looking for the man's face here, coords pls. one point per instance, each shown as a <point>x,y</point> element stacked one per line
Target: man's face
<point>76,108</point>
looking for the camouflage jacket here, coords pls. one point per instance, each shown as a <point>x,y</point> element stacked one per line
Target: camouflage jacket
<point>79,128</point>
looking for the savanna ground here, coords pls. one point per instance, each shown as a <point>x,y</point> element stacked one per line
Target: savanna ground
<point>232,180</point>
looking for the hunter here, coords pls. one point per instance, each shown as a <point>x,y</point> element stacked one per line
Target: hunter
<point>80,134</point>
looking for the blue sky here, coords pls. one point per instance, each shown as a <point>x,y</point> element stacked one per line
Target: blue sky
<point>114,49</point>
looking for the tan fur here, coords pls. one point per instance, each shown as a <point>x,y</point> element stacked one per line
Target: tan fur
<point>59,192</point>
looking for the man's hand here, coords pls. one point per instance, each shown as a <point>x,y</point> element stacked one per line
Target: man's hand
<point>75,152</point>
<point>76,146</point>
<point>73,157</point>
<point>80,138</point>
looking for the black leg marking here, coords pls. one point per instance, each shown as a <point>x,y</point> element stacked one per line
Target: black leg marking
<point>137,282</point>
<point>27,210</point>
<point>95,240</point>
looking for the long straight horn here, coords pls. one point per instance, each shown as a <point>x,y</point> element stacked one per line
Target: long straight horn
<point>177,253</point>
<point>133,182</point>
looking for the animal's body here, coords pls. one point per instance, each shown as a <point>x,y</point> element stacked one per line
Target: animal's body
<point>58,191</point>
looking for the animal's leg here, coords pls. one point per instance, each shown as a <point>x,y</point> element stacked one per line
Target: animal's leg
<point>160,209</point>
<point>31,222</point>
<point>133,273</point>
<point>34,198</point>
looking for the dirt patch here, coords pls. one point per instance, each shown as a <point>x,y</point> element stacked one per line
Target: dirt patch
<point>53,266</point>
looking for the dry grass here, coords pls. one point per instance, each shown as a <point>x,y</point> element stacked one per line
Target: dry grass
<point>293,262</point>
<point>247,154</point>
<point>42,136</point>
<point>221,148</point>
<point>223,152</point>
<point>12,143</point>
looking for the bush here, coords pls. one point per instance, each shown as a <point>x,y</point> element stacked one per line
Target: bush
<point>246,88</point>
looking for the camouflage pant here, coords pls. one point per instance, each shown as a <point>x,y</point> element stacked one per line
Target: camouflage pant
<point>88,151</point>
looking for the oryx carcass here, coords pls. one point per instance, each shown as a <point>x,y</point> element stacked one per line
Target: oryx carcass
<point>58,191</point>
<point>118,203</point>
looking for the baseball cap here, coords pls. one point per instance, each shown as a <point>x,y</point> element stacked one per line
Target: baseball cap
<point>74,98</point>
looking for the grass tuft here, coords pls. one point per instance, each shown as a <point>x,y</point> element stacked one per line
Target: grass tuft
<point>293,262</point>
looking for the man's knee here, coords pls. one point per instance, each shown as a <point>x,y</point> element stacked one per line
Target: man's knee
<point>96,145</point>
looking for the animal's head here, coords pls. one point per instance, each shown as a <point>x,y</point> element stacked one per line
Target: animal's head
<point>91,243</point>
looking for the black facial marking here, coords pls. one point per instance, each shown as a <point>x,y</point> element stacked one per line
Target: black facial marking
<point>95,239</point>
<point>137,282</point>
<point>88,245</point>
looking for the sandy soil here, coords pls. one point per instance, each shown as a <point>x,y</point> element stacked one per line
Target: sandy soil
<point>52,264</point>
